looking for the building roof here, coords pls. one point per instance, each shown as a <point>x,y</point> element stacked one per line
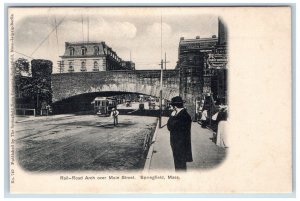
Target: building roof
<point>200,40</point>
<point>90,46</point>
<point>84,42</point>
<point>203,44</point>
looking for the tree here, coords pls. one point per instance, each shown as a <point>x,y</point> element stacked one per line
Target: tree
<point>36,89</point>
<point>22,66</point>
<point>41,74</point>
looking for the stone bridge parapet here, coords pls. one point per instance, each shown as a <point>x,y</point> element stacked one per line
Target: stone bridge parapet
<point>66,85</point>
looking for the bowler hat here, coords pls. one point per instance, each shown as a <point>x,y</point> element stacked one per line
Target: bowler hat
<point>176,100</point>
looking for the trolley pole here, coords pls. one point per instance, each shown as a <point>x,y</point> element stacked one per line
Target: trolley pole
<point>160,92</point>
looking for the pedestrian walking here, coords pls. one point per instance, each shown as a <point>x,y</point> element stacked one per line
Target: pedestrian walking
<point>115,113</point>
<point>204,118</point>
<point>179,125</point>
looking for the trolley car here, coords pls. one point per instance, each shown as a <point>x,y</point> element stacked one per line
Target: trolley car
<point>104,105</point>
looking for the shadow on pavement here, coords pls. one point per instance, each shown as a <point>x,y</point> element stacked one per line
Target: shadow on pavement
<point>111,125</point>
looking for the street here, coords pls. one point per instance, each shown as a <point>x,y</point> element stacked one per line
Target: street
<point>81,142</point>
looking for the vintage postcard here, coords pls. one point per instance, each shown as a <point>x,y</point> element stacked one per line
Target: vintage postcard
<point>160,100</point>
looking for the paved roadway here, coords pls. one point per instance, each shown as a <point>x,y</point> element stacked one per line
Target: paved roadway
<point>81,142</point>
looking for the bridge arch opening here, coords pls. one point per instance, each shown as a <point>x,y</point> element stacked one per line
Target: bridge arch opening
<point>82,103</point>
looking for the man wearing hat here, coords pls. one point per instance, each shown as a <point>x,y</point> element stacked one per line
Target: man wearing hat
<point>179,125</point>
<point>114,114</point>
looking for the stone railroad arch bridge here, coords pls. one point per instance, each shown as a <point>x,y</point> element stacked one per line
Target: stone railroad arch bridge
<point>67,85</point>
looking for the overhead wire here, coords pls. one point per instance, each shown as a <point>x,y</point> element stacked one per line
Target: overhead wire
<point>88,29</point>
<point>82,28</point>
<point>23,54</point>
<point>41,43</point>
<point>56,34</point>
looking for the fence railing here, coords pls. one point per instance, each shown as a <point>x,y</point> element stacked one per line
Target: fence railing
<point>25,111</point>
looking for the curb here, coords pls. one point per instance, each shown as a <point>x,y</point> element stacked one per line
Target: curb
<point>150,152</point>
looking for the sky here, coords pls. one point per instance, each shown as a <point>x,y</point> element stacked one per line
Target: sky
<point>125,30</point>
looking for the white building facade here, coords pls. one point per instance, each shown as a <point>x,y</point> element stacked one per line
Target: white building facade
<point>90,57</point>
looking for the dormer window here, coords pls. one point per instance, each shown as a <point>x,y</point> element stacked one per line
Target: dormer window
<point>72,51</point>
<point>83,50</point>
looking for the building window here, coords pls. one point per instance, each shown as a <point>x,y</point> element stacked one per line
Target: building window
<point>96,66</point>
<point>96,50</point>
<point>71,67</point>
<point>83,66</point>
<point>190,59</point>
<point>83,50</point>
<point>72,51</point>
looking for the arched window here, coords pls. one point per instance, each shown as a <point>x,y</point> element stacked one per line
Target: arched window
<point>96,66</point>
<point>83,50</point>
<point>83,66</point>
<point>72,51</point>
<point>96,50</point>
<point>71,67</point>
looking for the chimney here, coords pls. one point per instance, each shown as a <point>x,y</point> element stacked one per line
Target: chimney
<point>214,36</point>
<point>197,37</point>
<point>181,38</point>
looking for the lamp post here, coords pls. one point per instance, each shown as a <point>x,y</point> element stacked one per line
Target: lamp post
<point>37,100</point>
<point>160,93</point>
<point>40,90</point>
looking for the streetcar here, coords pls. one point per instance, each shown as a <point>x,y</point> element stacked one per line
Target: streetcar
<point>103,105</point>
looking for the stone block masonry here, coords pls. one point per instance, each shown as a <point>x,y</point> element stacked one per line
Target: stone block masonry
<point>66,85</point>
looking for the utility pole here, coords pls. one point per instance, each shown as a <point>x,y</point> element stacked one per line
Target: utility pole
<point>161,86</point>
<point>88,29</point>
<point>59,66</point>
<point>160,92</point>
<point>82,29</point>
<point>166,61</point>
<point>38,99</point>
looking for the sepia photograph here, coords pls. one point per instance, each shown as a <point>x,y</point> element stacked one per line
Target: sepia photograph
<point>90,91</point>
<point>119,98</point>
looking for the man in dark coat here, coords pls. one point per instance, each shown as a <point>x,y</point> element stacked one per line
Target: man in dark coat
<point>179,125</point>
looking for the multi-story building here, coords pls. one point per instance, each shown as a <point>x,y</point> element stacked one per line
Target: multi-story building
<point>202,65</point>
<point>215,74</point>
<point>89,57</point>
<point>192,54</point>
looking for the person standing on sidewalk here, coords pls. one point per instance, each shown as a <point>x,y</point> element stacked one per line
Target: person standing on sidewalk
<point>115,113</point>
<point>179,125</point>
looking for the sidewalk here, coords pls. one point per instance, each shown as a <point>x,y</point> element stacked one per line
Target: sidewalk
<point>206,154</point>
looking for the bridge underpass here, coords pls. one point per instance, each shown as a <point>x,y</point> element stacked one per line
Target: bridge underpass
<point>74,92</point>
<point>81,104</point>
